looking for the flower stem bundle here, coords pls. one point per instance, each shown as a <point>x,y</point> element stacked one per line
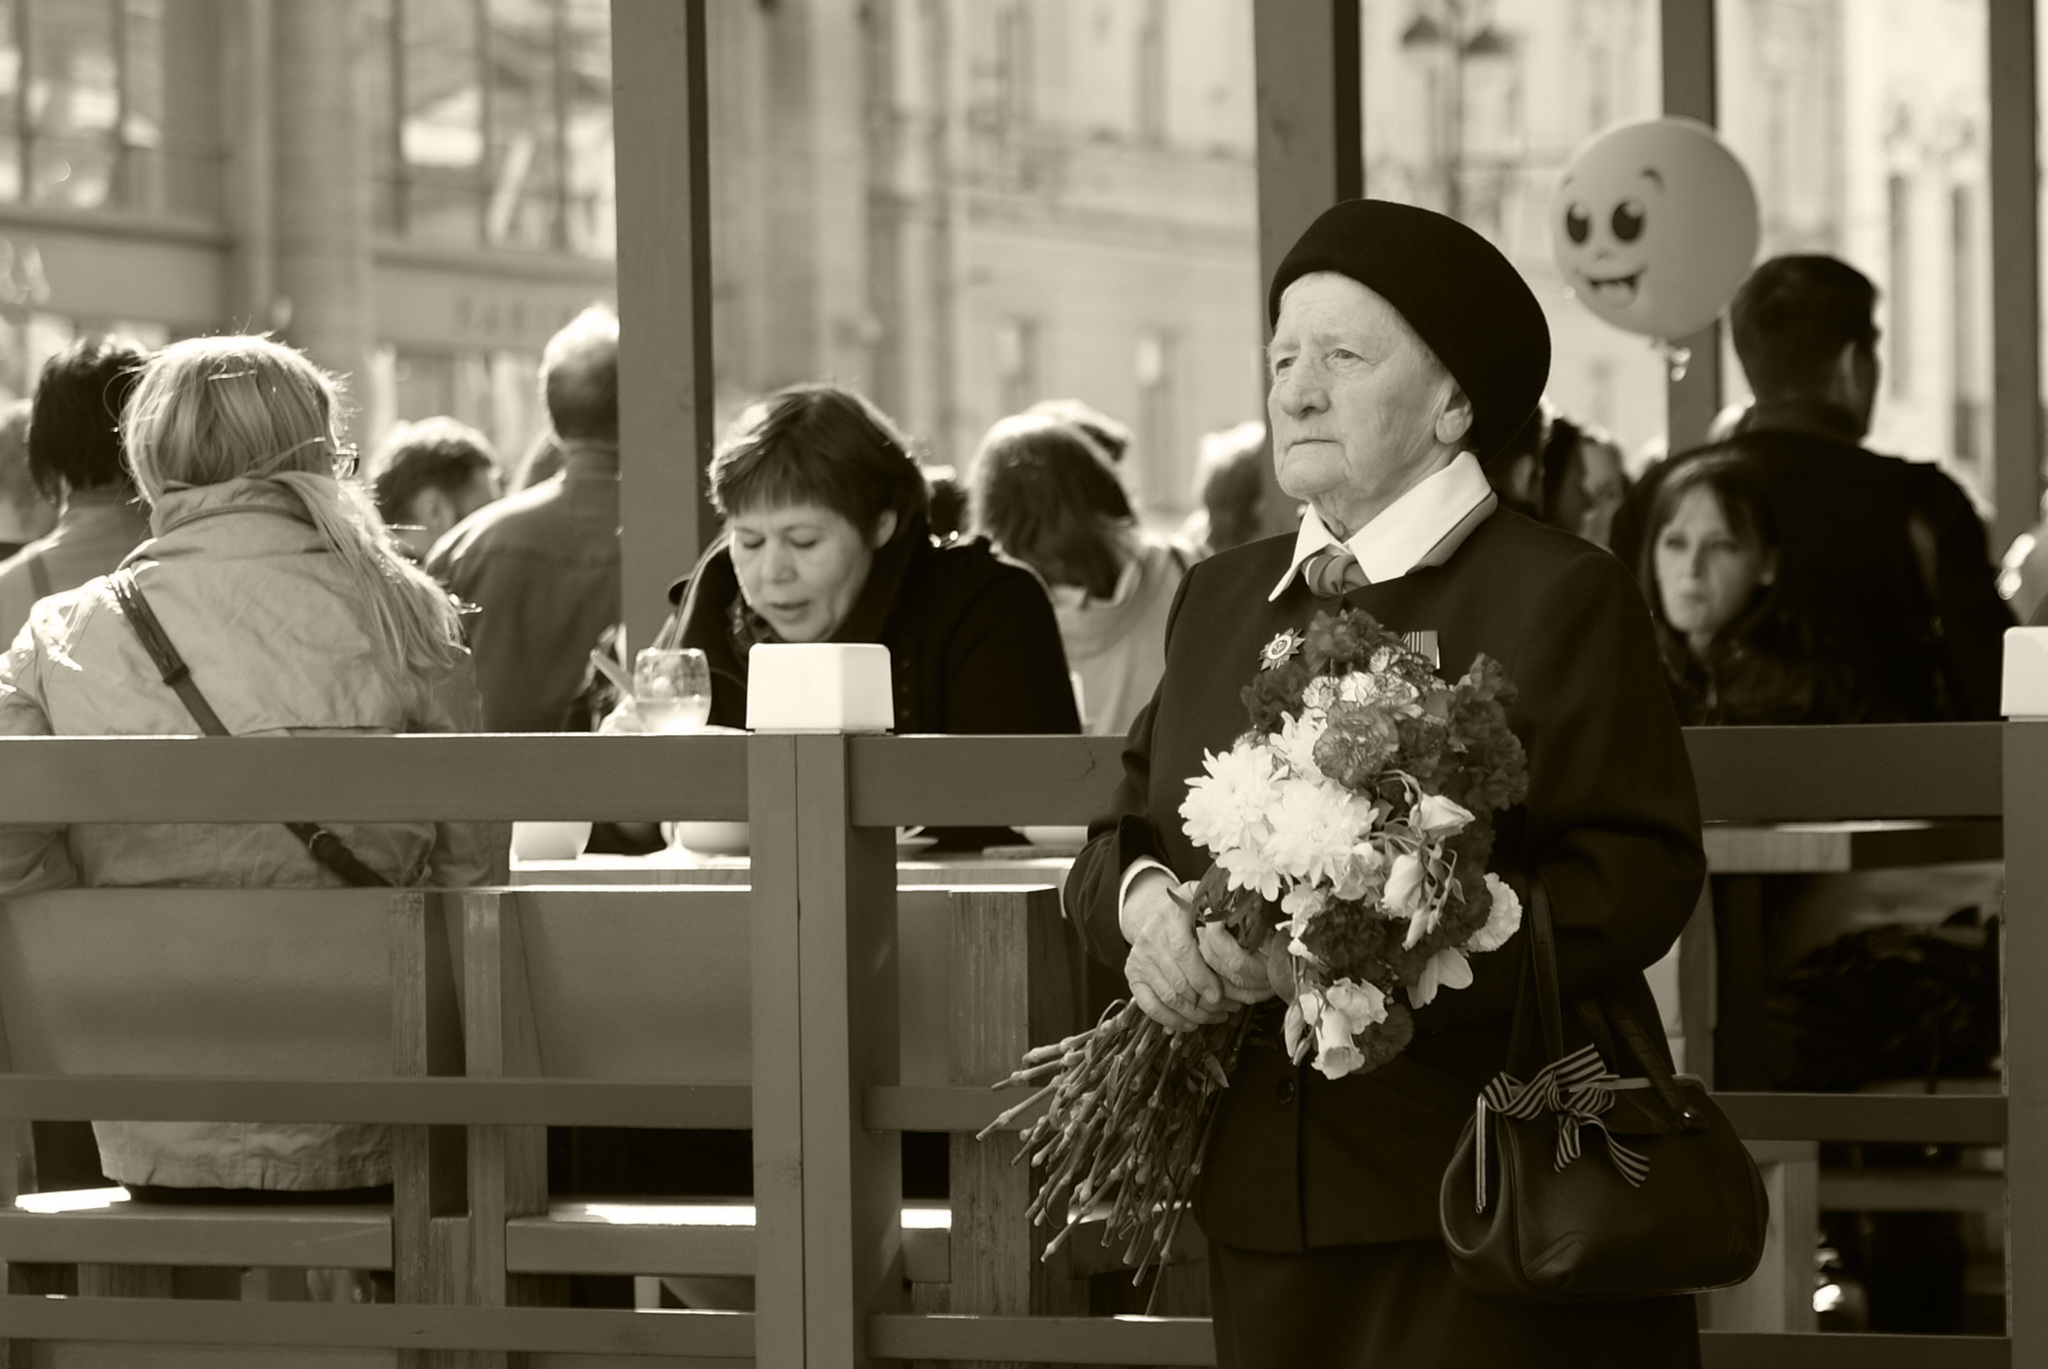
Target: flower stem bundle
<point>1129,1105</point>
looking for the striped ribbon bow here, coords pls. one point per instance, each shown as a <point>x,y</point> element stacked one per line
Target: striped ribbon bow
<point>1578,1089</point>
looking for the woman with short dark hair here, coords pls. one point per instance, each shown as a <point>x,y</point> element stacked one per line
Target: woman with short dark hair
<point>74,457</point>
<point>1040,491</point>
<point>826,541</point>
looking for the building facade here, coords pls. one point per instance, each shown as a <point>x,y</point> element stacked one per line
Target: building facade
<point>417,192</point>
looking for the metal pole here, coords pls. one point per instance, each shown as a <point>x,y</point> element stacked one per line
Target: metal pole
<point>665,388</point>
<point>1311,143</point>
<point>2015,249</point>
<point>1692,400</point>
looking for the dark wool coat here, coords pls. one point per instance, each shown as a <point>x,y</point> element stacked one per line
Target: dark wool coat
<point>973,644</point>
<point>1611,824</point>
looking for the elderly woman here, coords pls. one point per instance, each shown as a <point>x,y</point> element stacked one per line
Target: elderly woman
<point>274,580</point>
<point>826,541</point>
<point>1405,347</point>
<point>1040,488</point>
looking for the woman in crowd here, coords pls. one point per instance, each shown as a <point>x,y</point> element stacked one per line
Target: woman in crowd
<point>826,541</point>
<point>1557,472</point>
<point>1734,650</point>
<point>270,575</point>
<point>1040,487</point>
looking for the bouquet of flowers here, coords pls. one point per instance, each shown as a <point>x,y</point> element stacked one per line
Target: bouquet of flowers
<point>1351,827</point>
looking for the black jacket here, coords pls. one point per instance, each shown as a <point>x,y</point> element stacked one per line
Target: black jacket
<point>1890,562</point>
<point>1611,824</point>
<point>972,640</point>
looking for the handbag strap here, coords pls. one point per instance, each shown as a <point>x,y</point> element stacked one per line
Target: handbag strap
<point>1539,968</point>
<point>325,847</point>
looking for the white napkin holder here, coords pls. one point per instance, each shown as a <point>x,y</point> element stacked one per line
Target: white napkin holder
<point>2024,692</point>
<point>820,687</point>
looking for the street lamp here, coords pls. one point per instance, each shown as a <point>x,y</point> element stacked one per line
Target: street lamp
<point>1457,31</point>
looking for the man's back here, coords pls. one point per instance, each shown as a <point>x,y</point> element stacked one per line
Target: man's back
<point>542,567</point>
<point>1884,557</point>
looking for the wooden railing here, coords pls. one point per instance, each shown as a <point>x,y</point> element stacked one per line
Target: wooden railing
<point>826,1096</point>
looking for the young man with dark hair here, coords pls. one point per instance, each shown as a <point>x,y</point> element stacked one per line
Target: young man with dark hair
<point>430,476</point>
<point>75,458</point>
<point>1885,557</point>
<point>543,566</point>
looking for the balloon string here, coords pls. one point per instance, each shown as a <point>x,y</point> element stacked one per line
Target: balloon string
<point>1677,358</point>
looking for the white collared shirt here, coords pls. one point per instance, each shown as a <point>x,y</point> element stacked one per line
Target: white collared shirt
<point>1421,528</point>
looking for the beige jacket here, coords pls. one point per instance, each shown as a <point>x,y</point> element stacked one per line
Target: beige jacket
<point>258,607</point>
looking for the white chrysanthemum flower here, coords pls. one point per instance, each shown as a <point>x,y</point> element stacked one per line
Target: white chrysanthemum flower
<point>1320,692</point>
<point>1249,868</point>
<point>1439,817</point>
<point>1296,741</point>
<point>1503,919</point>
<point>1226,806</point>
<point>1314,825</point>
<point>1447,969</point>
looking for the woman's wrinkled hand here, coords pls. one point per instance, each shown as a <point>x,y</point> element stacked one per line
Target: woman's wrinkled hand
<point>1170,981</point>
<point>1244,973</point>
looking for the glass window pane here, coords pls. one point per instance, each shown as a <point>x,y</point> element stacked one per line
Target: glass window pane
<point>587,152</point>
<point>382,63</point>
<point>74,101</point>
<point>525,134</point>
<point>1019,201</point>
<point>1889,172</point>
<point>442,134</point>
<point>11,66</point>
<point>140,185</point>
<point>1474,111</point>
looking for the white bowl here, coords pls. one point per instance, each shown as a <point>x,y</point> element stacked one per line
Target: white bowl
<point>1061,838</point>
<point>549,840</point>
<point>710,838</point>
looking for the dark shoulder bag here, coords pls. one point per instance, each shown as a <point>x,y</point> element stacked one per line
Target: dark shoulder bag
<point>1532,1210</point>
<point>325,847</point>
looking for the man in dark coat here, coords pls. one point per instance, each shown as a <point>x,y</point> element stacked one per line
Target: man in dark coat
<point>1885,558</point>
<point>1405,346</point>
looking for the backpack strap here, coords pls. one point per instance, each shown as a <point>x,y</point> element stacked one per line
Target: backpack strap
<point>325,847</point>
<point>39,577</point>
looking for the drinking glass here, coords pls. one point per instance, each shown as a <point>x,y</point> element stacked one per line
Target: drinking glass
<point>672,689</point>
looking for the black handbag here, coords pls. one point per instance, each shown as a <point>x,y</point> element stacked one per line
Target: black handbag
<point>1577,1185</point>
<point>321,844</point>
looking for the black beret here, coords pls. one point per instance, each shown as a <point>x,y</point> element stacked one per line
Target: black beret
<point>1454,288</point>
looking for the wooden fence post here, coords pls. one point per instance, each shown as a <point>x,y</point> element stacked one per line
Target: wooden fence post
<point>853,1177</point>
<point>1015,983</point>
<point>778,1011</point>
<point>2025,942</point>
<point>508,1166</point>
<point>427,1162</point>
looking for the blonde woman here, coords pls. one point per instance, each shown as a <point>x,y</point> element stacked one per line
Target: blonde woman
<point>271,576</point>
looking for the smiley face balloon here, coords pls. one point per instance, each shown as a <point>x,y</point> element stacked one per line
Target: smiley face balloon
<point>1655,226</point>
